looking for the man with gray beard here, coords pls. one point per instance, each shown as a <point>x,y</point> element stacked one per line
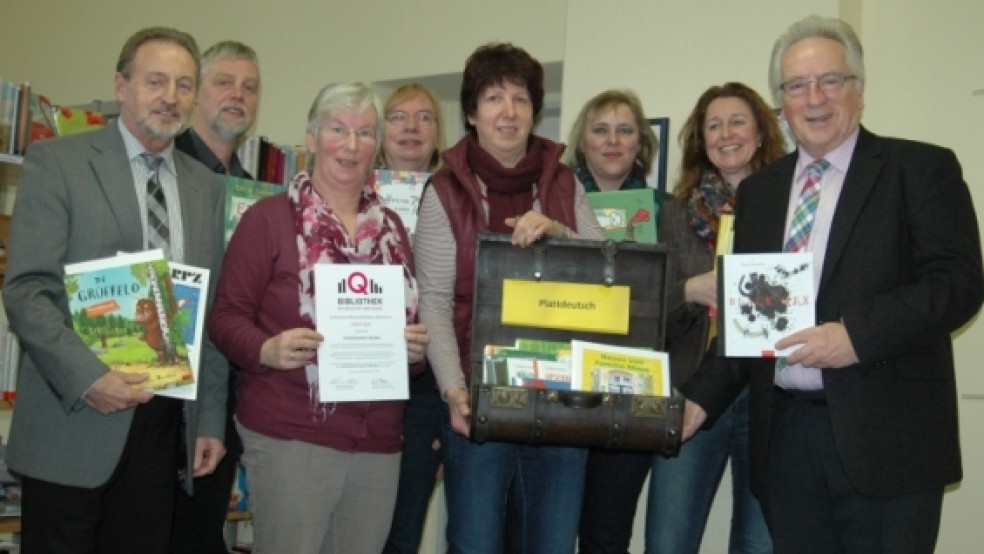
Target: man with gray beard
<point>224,112</point>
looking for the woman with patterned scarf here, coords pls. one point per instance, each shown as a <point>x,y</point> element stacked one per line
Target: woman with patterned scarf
<point>322,476</point>
<point>730,134</point>
<point>612,147</point>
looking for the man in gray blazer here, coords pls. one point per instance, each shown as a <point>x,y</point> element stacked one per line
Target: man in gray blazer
<point>99,457</point>
<point>854,435</point>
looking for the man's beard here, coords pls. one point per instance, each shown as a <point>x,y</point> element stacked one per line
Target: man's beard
<point>231,131</point>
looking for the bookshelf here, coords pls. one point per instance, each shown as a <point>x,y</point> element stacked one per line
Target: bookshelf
<point>9,175</point>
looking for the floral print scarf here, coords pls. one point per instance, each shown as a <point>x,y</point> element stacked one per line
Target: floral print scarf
<point>380,238</point>
<point>711,197</point>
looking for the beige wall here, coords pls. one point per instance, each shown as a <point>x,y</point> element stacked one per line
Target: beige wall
<point>923,63</point>
<point>302,44</point>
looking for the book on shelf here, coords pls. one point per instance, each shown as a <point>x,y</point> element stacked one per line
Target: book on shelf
<point>126,310</point>
<point>619,369</point>
<point>10,358</point>
<point>240,195</point>
<point>761,299</point>
<point>400,191</point>
<point>628,215</point>
<point>25,116</point>
<point>270,162</point>
<point>8,116</point>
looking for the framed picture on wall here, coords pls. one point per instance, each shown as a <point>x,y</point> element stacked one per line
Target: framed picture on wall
<point>661,128</point>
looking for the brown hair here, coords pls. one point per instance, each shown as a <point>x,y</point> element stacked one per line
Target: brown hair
<point>692,135</point>
<point>495,63</point>
<point>124,64</point>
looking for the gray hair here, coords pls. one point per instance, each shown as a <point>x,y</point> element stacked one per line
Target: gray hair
<point>815,26</point>
<point>335,98</point>
<point>228,50</point>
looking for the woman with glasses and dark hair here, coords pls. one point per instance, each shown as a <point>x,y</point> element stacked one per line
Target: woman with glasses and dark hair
<point>730,134</point>
<point>413,141</point>
<point>499,178</point>
<point>322,476</point>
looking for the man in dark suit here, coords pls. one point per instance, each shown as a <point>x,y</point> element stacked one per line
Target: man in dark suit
<point>224,111</point>
<point>854,435</point>
<point>100,457</point>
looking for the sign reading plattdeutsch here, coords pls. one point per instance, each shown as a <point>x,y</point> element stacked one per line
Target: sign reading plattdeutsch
<point>569,306</point>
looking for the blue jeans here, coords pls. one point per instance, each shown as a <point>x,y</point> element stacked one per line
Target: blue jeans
<point>681,490</point>
<point>548,483</point>
<point>423,423</point>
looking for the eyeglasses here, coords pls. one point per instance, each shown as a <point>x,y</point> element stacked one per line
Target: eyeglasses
<point>829,83</point>
<point>340,133</point>
<point>401,118</point>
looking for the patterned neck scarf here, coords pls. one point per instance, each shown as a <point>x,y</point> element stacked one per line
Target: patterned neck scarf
<point>711,197</point>
<point>321,238</point>
<point>634,180</point>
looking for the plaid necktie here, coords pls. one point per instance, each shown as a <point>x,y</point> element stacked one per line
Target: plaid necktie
<point>806,208</point>
<point>803,216</point>
<point>158,235</point>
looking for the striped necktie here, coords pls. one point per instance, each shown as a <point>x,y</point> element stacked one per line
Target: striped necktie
<point>158,234</point>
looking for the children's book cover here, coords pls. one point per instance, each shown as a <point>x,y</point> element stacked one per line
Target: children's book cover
<point>628,215</point>
<point>761,299</point>
<point>125,310</point>
<point>620,369</point>
<point>240,195</point>
<point>400,191</point>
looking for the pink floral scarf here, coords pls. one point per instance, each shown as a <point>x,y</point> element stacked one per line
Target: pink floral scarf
<point>380,238</point>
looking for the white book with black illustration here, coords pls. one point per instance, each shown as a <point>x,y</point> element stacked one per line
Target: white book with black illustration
<point>761,299</point>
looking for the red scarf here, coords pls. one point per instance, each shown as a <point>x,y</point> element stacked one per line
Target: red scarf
<point>509,190</point>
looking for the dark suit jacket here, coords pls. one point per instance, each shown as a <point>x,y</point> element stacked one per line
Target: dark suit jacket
<point>76,201</point>
<point>902,271</point>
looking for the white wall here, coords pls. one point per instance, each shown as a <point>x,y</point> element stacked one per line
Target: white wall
<point>923,61</point>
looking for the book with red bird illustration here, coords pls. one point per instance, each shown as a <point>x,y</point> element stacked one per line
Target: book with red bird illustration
<point>626,215</point>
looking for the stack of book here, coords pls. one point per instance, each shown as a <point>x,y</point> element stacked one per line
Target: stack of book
<point>578,365</point>
<point>269,162</point>
<point>25,116</point>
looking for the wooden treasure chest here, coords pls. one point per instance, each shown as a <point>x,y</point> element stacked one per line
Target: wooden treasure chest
<point>555,291</point>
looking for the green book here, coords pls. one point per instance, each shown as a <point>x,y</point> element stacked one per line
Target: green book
<point>626,215</point>
<point>240,195</point>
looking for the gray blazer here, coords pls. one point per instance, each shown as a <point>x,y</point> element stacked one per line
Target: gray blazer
<point>76,201</point>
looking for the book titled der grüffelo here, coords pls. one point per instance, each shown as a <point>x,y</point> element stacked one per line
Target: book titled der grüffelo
<point>761,299</point>
<point>125,310</point>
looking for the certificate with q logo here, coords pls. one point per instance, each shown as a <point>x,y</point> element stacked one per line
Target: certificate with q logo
<point>362,315</point>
